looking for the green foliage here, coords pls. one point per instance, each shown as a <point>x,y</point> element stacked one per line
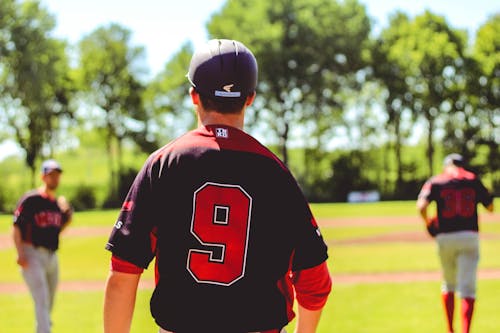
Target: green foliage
<point>36,88</point>
<point>84,198</point>
<point>167,98</point>
<point>487,45</point>
<point>305,57</point>
<point>3,200</point>
<point>85,167</point>
<point>125,180</point>
<point>341,95</point>
<point>108,74</point>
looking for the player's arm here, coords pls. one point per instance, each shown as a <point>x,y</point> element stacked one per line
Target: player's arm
<point>422,205</point>
<point>66,211</point>
<point>16,236</point>
<point>119,296</point>
<point>485,197</point>
<point>307,320</point>
<point>489,207</point>
<point>424,200</point>
<point>119,301</point>
<point>312,287</point>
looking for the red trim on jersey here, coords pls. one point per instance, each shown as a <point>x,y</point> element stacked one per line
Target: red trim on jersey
<point>122,266</point>
<point>154,239</point>
<point>312,286</point>
<point>455,173</point>
<point>127,206</point>
<point>46,195</point>
<point>313,222</point>
<point>205,136</point>
<point>286,288</point>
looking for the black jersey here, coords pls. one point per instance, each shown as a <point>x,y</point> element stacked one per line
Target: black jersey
<point>457,195</point>
<point>39,219</point>
<point>227,222</point>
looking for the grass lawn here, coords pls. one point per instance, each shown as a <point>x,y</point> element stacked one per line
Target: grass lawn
<point>352,308</point>
<point>411,307</point>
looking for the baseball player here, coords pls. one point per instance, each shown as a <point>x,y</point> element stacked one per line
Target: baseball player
<point>38,220</point>
<point>233,236</point>
<point>457,192</point>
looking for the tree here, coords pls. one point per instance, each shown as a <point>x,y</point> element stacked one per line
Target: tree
<point>109,72</point>
<point>304,57</point>
<point>34,76</point>
<point>398,98</point>
<point>167,100</point>
<point>427,52</point>
<point>487,54</point>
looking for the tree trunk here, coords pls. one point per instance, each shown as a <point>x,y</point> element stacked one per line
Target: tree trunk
<point>284,143</point>
<point>397,151</point>
<point>430,145</point>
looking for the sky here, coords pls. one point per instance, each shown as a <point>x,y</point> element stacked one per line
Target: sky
<point>162,26</point>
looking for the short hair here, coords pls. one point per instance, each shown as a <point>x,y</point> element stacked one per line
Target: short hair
<point>225,106</point>
<point>454,159</point>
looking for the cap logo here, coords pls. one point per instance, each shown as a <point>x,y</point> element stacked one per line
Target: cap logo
<point>228,87</point>
<point>227,91</point>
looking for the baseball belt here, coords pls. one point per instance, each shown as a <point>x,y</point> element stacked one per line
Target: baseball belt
<point>268,331</point>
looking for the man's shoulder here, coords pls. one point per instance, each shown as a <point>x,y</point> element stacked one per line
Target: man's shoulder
<point>30,195</point>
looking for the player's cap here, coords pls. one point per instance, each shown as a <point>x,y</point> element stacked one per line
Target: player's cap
<point>49,166</point>
<point>454,159</point>
<point>222,69</point>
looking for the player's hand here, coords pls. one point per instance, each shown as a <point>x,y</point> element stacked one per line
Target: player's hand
<point>63,204</point>
<point>432,226</point>
<point>22,260</point>
<point>65,208</point>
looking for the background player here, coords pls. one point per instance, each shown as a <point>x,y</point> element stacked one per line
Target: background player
<point>232,232</point>
<point>38,220</point>
<point>457,193</point>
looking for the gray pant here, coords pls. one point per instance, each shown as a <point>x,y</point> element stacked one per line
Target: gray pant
<point>459,255</point>
<point>41,275</point>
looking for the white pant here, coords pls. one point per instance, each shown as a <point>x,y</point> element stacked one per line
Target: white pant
<point>41,276</point>
<point>459,255</point>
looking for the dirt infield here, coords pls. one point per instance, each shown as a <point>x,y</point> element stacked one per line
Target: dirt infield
<point>394,277</point>
<point>390,220</point>
<point>374,278</point>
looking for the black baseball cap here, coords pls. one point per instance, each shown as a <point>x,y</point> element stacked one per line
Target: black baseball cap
<point>223,68</point>
<point>455,159</point>
<point>49,166</point>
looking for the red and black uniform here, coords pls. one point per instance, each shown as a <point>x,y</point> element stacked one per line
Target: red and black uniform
<point>231,232</point>
<point>457,194</point>
<point>39,219</point>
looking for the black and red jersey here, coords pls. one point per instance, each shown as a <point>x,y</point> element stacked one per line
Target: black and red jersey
<point>227,223</point>
<point>457,194</point>
<point>39,219</point>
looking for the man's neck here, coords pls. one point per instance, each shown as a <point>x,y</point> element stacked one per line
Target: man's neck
<point>215,118</point>
<point>47,191</point>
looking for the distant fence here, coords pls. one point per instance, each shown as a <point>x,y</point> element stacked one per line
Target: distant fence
<point>363,196</point>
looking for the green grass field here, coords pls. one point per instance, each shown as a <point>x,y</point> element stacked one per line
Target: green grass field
<point>385,307</point>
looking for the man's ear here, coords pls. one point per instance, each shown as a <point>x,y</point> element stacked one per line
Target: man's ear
<point>250,99</point>
<point>195,97</point>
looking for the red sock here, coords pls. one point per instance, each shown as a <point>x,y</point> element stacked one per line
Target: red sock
<point>449,307</point>
<point>467,310</point>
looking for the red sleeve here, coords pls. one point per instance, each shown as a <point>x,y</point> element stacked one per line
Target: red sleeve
<point>312,286</point>
<point>120,265</point>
